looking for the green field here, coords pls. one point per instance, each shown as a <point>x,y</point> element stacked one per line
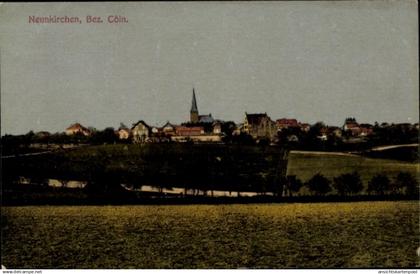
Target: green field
<point>221,167</point>
<point>306,165</point>
<point>217,167</point>
<point>362,234</point>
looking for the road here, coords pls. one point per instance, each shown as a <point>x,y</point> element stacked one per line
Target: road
<point>27,154</point>
<point>308,152</point>
<point>380,148</point>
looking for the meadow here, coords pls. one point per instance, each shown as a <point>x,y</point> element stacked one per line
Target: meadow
<point>306,164</point>
<point>221,167</point>
<point>322,235</point>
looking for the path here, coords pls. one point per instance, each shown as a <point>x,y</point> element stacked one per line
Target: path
<point>380,148</point>
<point>323,153</point>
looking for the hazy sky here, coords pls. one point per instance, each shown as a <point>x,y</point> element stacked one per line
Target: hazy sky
<point>314,61</point>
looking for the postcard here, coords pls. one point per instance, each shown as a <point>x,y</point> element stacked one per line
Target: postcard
<point>210,135</point>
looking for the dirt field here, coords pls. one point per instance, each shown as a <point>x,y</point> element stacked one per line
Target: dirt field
<point>359,234</point>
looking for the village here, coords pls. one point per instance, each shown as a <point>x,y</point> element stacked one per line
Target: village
<point>255,128</point>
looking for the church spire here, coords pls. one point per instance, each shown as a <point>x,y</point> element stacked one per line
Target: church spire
<point>194,109</point>
<point>194,103</point>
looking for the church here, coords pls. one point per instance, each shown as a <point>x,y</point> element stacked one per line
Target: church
<point>194,115</point>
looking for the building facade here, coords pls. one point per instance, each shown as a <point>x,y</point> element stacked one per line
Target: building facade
<point>259,126</point>
<point>140,132</point>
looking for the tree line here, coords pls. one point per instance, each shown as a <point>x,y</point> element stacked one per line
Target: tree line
<point>350,184</point>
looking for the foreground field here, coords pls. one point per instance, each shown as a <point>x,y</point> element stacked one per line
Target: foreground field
<point>365,234</point>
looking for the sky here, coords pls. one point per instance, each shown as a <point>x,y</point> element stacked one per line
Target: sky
<point>313,61</point>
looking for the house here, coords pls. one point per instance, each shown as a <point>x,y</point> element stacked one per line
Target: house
<point>123,133</point>
<point>217,127</point>
<point>335,131</point>
<point>357,130</point>
<point>365,130</point>
<point>156,130</point>
<point>162,134</point>
<point>194,134</point>
<point>140,132</point>
<point>286,123</point>
<point>259,125</point>
<point>188,131</point>
<point>238,129</point>
<point>77,129</point>
<point>352,127</point>
<point>168,129</point>
<point>158,135</point>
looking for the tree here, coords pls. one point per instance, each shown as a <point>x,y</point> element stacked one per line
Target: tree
<point>350,120</point>
<point>228,127</point>
<point>293,184</point>
<point>243,139</point>
<point>311,140</point>
<point>105,136</point>
<point>379,184</point>
<point>348,183</point>
<point>263,142</point>
<point>355,183</point>
<point>405,183</point>
<point>319,185</point>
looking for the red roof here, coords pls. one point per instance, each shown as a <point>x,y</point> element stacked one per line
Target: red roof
<point>188,131</point>
<point>287,122</point>
<point>75,127</point>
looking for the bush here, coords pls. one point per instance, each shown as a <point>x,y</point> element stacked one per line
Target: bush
<point>405,183</point>
<point>348,183</point>
<point>379,184</point>
<point>293,184</point>
<point>319,185</point>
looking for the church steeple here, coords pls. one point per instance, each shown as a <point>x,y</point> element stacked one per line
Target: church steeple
<point>194,103</point>
<point>194,109</point>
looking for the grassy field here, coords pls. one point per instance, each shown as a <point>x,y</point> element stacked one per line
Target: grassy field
<point>306,165</point>
<point>365,234</point>
<point>221,167</point>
